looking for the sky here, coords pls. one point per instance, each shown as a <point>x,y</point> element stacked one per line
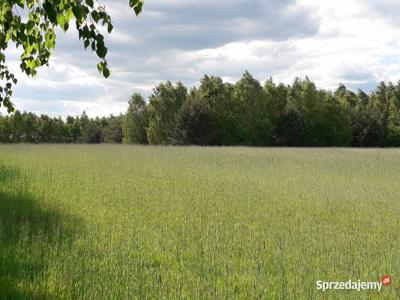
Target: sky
<point>353,42</point>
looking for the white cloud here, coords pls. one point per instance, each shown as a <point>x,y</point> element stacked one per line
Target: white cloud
<point>344,41</point>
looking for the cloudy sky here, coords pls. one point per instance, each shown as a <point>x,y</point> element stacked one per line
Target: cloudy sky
<point>354,42</point>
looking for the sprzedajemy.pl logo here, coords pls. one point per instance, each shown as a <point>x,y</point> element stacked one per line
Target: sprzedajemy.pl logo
<point>354,285</point>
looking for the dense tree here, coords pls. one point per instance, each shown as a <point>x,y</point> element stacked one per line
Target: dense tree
<point>74,129</point>
<point>335,125</point>
<point>253,126</point>
<point>308,101</point>
<point>218,113</point>
<point>276,97</point>
<point>112,130</point>
<point>196,122</point>
<point>30,128</point>
<point>92,132</point>
<point>164,106</point>
<point>17,126</point>
<point>216,95</point>
<point>393,135</point>
<point>5,129</point>
<point>135,122</point>
<point>290,129</point>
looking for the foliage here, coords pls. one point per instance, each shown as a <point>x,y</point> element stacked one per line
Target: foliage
<point>164,106</point>
<point>251,112</point>
<point>30,128</point>
<point>112,130</point>
<point>196,122</point>
<point>216,96</point>
<point>31,25</point>
<point>218,113</point>
<point>136,121</point>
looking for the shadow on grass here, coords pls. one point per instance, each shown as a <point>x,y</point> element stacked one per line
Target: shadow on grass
<point>28,233</point>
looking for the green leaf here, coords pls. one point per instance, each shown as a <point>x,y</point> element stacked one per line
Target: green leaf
<point>50,39</point>
<point>110,27</point>
<point>21,3</point>
<point>106,72</point>
<point>50,12</point>
<point>100,67</point>
<point>137,5</point>
<point>63,22</point>
<point>101,51</point>
<point>90,3</point>
<point>78,13</point>
<point>95,16</point>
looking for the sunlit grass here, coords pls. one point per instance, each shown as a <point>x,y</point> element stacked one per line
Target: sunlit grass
<point>124,222</point>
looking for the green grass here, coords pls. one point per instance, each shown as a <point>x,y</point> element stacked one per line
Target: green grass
<point>121,222</point>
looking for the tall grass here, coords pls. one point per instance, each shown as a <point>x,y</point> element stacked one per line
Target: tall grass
<point>122,222</point>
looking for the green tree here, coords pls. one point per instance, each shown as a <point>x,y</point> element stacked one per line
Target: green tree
<point>196,122</point>
<point>16,122</point>
<point>5,130</point>
<point>45,129</point>
<point>136,121</point>
<point>380,103</point>
<point>35,33</point>
<point>276,97</point>
<point>164,107</point>
<point>74,129</point>
<point>112,131</point>
<point>309,102</point>
<point>290,129</point>
<point>336,124</point>
<point>393,123</point>
<point>253,126</point>
<point>216,96</point>
<point>92,132</point>
<point>30,128</point>
<point>218,113</point>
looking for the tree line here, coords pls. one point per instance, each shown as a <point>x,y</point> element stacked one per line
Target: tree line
<point>30,128</point>
<point>220,113</point>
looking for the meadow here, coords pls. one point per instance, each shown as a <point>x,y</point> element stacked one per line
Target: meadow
<point>132,222</point>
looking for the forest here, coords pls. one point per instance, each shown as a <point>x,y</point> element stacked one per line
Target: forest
<point>219,113</point>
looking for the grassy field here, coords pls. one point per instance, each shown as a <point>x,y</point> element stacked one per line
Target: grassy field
<point>121,222</point>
